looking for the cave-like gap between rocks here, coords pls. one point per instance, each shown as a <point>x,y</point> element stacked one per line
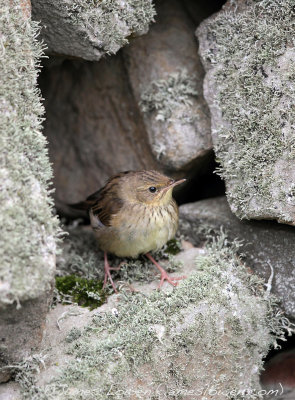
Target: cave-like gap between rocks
<point>205,183</point>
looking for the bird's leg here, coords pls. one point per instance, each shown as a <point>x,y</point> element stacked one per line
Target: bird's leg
<point>164,274</point>
<point>107,274</point>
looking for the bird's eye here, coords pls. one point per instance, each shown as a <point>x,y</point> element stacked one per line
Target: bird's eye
<point>152,189</point>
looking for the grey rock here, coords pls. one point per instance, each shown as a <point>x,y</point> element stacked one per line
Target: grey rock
<point>28,227</point>
<point>248,86</point>
<point>166,77</point>
<point>10,391</point>
<point>93,126</point>
<point>184,342</point>
<point>90,29</point>
<point>265,245</point>
<point>21,332</point>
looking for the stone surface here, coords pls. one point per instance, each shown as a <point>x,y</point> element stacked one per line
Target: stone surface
<point>21,332</point>
<point>280,369</point>
<point>266,244</point>
<point>180,343</point>
<point>166,77</point>
<point>278,377</point>
<point>93,126</point>
<point>90,29</point>
<point>249,63</point>
<point>28,228</point>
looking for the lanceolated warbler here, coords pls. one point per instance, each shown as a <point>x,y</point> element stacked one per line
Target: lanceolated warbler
<point>133,214</point>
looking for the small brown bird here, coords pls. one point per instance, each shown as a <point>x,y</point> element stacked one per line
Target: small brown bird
<point>133,214</point>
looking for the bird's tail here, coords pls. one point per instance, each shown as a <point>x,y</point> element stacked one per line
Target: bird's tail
<point>82,205</point>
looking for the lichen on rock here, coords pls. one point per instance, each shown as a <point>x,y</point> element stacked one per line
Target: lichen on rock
<point>209,335</point>
<point>164,96</point>
<point>91,29</point>
<point>248,54</point>
<point>28,228</point>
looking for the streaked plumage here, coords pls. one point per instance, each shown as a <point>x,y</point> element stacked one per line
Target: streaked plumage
<point>134,213</point>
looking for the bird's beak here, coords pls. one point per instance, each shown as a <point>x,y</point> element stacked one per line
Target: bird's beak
<point>174,183</point>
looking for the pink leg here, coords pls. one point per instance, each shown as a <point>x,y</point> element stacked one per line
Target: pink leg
<point>107,274</point>
<point>164,274</point>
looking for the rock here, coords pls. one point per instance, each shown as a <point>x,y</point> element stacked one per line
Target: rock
<point>280,369</point>
<point>266,245</point>
<point>248,58</point>
<point>21,331</point>
<point>278,377</point>
<point>166,77</point>
<point>93,127</point>
<point>28,228</point>
<point>10,391</point>
<point>90,29</point>
<point>183,342</point>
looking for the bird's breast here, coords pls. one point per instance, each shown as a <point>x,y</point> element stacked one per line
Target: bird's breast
<point>140,229</point>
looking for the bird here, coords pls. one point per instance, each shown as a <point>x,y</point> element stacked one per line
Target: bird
<point>133,214</point>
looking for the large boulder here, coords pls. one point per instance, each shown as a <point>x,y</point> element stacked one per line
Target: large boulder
<point>91,29</point>
<point>249,62</point>
<point>166,77</point>
<point>93,126</point>
<point>206,338</point>
<point>28,228</point>
<point>268,247</point>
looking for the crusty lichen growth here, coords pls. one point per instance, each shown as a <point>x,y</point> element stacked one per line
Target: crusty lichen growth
<point>251,53</point>
<point>28,228</point>
<point>111,22</point>
<point>164,96</point>
<point>163,345</point>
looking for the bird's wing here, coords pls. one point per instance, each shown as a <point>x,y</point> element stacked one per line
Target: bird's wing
<point>104,203</point>
<point>106,207</point>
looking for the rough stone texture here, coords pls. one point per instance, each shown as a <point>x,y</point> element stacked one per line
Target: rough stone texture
<point>21,332</point>
<point>93,126</point>
<point>279,371</point>
<point>91,29</point>
<point>28,229</point>
<point>265,244</point>
<point>248,55</point>
<point>166,76</point>
<point>182,343</point>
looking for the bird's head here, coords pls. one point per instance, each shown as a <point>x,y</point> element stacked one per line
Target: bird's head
<point>148,187</point>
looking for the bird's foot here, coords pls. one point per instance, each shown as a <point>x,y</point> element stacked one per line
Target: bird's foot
<point>164,274</point>
<point>107,273</point>
<point>170,279</point>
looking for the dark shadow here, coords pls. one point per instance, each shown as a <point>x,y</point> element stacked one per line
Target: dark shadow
<point>202,184</point>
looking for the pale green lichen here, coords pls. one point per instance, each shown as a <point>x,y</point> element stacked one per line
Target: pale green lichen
<point>255,93</point>
<point>111,22</point>
<point>163,96</point>
<point>162,345</point>
<point>28,228</point>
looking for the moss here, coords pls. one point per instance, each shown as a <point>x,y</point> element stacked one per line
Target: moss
<point>173,247</point>
<point>164,96</point>
<point>255,95</point>
<point>84,292</point>
<point>112,22</point>
<point>166,343</point>
<point>28,228</point>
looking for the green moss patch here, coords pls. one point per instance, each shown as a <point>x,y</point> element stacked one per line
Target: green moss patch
<point>84,292</point>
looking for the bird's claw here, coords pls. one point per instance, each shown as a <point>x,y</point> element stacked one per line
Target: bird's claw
<point>170,279</point>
